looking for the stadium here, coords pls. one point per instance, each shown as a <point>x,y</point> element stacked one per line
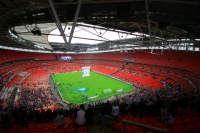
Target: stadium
<point>143,55</point>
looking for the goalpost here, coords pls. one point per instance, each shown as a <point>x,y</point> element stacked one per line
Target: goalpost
<point>85,71</point>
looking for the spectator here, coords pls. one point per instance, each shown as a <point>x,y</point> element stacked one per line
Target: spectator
<point>80,116</point>
<point>166,117</point>
<point>2,112</point>
<point>115,111</point>
<point>60,119</point>
<point>106,110</point>
<point>89,113</point>
<point>23,118</point>
<point>142,108</point>
<point>134,109</point>
<point>184,103</point>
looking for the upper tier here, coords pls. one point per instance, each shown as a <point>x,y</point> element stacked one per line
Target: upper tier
<point>176,59</point>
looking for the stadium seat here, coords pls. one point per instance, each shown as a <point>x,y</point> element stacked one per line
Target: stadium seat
<point>159,125</point>
<point>70,130</point>
<point>150,131</point>
<point>129,129</point>
<point>186,121</point>
<point>137,129</point>
<point>23,130</point>
<point>179,129</point>
<point>178,122</point>
<point>198,126</point>
<point>59,131</point>
<point>118,126</point>
<point>47,131</point>
<point>191,128</point>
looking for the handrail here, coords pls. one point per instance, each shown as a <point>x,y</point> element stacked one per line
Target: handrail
<point>105,122</point>
<point>108,117</point>
<point>155,129</point>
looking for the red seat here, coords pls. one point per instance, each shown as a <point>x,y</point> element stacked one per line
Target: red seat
<point>70,130</point>
<point>195,119</point>
<point>82,130</point>
<point>159,125</point>
<point>191,128</point>
<point>47,131</point>
<point>59,131</point>
<point>117,126</point>
<point>186,121</point>
<point>150,131</point>
<point>198,126</point>
<point>179,129</point>
<point>129,129</point>
<point>178,122</point>
<point>137,129</point>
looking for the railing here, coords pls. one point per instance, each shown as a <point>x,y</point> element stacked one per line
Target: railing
<point>105,123</point>
<point>145,127</point>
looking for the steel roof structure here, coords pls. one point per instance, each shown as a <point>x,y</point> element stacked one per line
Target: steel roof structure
<point>155,23</point>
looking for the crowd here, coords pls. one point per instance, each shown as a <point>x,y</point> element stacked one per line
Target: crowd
<point>23,116</point>
<point>142,102</point>
<point>36,98</point>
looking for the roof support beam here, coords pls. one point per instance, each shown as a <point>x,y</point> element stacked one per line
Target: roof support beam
<point>120,1</point>
<point>59,26</point>
<point>148,20</point>
<point>109,29</point>
<point>24,24</point>
<point>75,21</point>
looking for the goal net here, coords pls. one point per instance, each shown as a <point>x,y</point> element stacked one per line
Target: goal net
<point>107,91</point>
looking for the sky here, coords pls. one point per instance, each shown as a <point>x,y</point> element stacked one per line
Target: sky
<point>94,34</point>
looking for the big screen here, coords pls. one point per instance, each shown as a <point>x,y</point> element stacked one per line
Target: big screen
<point>85,71</point>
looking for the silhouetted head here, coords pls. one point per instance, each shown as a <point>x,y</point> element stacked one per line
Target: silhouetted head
<point>81,106</point>
<point>115,103</point>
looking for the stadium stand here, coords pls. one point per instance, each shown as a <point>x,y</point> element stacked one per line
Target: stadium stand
<point>27,84</point>
<point>151,46</point>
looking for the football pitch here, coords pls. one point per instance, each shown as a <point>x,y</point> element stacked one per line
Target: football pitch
<point>75,89</point>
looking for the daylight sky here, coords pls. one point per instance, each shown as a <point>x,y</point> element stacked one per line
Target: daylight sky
<point>95,35</point>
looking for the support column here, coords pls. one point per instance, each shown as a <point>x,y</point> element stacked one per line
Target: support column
<point>59,26</point>
<point>148,20</point>
<point>75,21</point>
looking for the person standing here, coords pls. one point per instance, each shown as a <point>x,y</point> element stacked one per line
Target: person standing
<point>89,114</point>
<point>80,117</point>
<point>23,117</point>
<point>60,119</point>
<point>115,111</point>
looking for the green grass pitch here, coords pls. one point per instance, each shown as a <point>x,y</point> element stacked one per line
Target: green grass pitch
<point>76,89</point>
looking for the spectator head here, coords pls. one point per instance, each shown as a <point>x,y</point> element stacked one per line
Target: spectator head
<point>21,108</point>
<point>60,112</point>
<point>115,103</point>
<point>82,106</point>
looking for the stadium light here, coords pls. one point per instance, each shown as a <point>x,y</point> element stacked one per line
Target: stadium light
<point>36,31</point>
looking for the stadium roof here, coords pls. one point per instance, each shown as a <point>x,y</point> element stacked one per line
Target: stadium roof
<point>84,25</point>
